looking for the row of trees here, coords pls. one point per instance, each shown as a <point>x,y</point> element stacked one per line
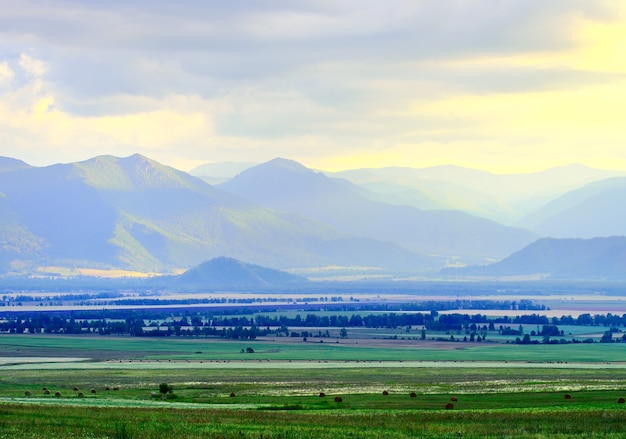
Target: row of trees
<point>186,322</point>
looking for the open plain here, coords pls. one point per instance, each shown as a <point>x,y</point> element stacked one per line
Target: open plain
<point>112,387</point>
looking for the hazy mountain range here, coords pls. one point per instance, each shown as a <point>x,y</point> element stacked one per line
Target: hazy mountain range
<point>568,258</point>
<point>287,186</point>
<point>136,214</point>
<point>505,198</point>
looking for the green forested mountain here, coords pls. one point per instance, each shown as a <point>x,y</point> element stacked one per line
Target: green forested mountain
<point>134,213</point>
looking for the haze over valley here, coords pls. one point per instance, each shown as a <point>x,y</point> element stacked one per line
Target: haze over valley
<point>305,219</point>
<point>138,215</point>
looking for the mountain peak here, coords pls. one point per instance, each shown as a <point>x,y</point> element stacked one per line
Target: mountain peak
<point>272,182</point>
<point>132,172</point>
<point>286,165</point>
<point>8,164</point>
<point>225,271</point>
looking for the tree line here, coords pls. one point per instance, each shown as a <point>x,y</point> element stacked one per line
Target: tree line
<point>193,323</point>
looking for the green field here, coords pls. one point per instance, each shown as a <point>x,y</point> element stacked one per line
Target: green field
<point>199,349</point>
<point>497,390</point>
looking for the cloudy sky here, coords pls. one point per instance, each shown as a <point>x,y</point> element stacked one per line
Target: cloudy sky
<point>506,86</point>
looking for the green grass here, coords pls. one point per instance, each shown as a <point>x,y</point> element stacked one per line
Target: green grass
<point>60,422</point>
<point>279,399</point>
<point>200,349</point>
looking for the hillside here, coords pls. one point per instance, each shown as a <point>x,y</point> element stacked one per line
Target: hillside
<point>288,186</point>
<point>136,214</point>
<point>8,164</point>
<point>216,173</point>
<point>597,209</point>
<point>228,272</point>
<point>597,258</point>
<point>506,198</point>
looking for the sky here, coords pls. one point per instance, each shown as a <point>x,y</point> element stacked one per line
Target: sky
<point>500,85</point>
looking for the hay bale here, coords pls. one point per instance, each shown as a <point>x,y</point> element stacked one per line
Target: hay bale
<point>322,394</point>
<point>621,401</point>
<point>338,399</point>
<point>413,395</point>
<point>385,393</point>
<point>27,393</point>
<point>107,388</point>
<point>46,392</point>
<point>232,394</point>
<point>75,389</point>
<point>93,390</point>
<point>568,396</point>
<point>453,399</point>
<point>449,406</point>
<point>44,388</point>
<point>81,395</point>
<point>57,394</point>
<point>116,388</point>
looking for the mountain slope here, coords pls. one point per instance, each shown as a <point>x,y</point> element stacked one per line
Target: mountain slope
<point>8,164</point>
<point>597,209</point>
<point>561,258</point>
<point>137,214</point>
<point>216,173</point>
<point>506,198</point>
<point>228,272</point>
<point>288,186</point>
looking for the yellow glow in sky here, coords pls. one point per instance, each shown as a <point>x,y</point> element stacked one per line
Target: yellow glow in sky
<point>526,131</point>
<point>397,105</point>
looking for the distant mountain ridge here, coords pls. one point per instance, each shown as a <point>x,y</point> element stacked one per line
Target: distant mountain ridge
<point>506,198</point>
<point>9,164</point>
<point>510,199</point>
<point>596,209</point>
<point>288,186</point>
<point>136,214</point>
<point>596,258</point>
<point>215,173</point>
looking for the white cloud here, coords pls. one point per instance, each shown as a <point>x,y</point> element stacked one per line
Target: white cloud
<point>32,66</point>
<point>6,74</point>
<point>306,79</point>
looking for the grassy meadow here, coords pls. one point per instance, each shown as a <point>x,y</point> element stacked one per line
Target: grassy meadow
<point>495,390</point>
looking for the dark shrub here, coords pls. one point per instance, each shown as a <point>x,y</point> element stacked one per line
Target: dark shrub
<point>568,396</point>
<point>164,388</point>
<point>385,393</point>
<point>232,394</point>
<point>413,395</point>
<point>621,401</point>
<point>449,406</point>
<point>322,394</point>
<point>453,399</point>
<point>338,399</point>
